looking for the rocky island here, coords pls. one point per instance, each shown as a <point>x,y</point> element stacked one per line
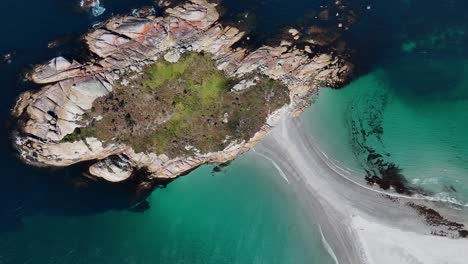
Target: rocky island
<point>164,95</point>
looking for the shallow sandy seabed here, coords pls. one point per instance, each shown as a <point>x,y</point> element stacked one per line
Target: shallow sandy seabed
<point>359,223</point>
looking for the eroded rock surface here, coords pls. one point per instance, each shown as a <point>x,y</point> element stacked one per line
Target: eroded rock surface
<point>127,44</point>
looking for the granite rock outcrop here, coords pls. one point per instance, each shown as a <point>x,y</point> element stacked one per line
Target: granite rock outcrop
<point>124,45</point>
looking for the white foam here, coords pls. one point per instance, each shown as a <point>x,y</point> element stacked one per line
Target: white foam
<point>274,164</point>
<point>327,246</point>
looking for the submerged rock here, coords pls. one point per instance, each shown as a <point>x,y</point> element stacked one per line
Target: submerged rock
<point>124,43</point>
<point>8,57</point>
<point>94,6</point>
<point>144,11</point>
<point>98,10</point>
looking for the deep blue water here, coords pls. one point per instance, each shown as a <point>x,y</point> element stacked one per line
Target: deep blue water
<point>413,39</point>
<point>28,27</point>
<point>56,216</point>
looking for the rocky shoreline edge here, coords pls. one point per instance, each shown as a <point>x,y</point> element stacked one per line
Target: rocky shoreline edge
<point>123,46</point>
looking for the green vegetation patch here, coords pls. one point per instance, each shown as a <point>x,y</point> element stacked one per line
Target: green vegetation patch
<point>79,134</point>
<point>173,106</point>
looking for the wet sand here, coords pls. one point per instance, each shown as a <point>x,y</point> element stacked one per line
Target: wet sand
<point>360,223</point>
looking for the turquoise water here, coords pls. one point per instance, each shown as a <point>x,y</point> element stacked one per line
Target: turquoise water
<point>408,104</point>
<point>244,214</point>
<point>423,132</point>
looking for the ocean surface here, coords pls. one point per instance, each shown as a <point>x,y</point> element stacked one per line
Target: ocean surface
<point>243,214</point>
<point>408,104</point>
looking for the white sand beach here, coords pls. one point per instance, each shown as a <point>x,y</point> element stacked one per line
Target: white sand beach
<point>360,224</point>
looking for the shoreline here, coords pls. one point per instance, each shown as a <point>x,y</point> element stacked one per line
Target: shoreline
<point>347,212</point>
<point>123,47</point>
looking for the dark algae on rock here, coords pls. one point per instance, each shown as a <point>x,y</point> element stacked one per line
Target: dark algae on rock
<point>434,218</point>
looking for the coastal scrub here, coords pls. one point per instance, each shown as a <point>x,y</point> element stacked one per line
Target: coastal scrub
<point>183,108</point>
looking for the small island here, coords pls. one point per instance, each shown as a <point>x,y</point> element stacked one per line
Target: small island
<point>164,95</point>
